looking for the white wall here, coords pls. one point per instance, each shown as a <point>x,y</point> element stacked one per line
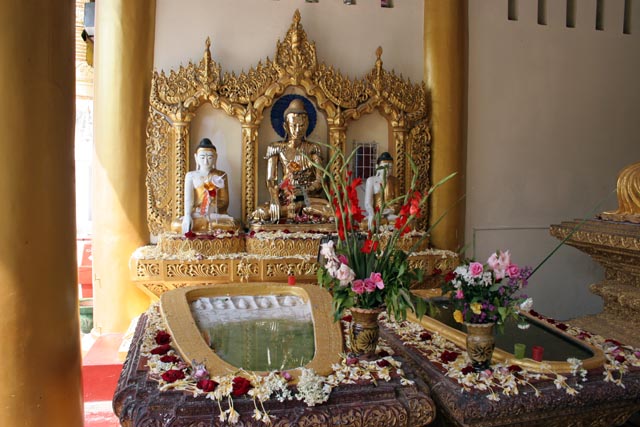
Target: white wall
<point>553,117</point>
<point>243,32</point>
<point>552,114</point>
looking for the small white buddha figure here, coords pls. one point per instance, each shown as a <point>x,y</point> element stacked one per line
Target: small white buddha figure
<point>380,192</point>
<point>206,194</point>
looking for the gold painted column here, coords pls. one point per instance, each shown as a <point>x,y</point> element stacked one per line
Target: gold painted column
<point>40,383</point>
<point>123,65</point>
<point>445,45</point>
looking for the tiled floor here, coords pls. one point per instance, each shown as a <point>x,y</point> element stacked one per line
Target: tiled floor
<point>101,366</point>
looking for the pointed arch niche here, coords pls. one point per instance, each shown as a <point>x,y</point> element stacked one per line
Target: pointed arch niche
<point>185,104</point>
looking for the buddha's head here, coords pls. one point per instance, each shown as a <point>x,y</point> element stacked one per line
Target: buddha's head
<point>206,155</point>
<point>385,164</point>
<point>296,120</point>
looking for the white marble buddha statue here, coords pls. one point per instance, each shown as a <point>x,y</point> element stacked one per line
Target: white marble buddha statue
<point>381,192</point>
<point>206,195</point>
<point>299,192</point>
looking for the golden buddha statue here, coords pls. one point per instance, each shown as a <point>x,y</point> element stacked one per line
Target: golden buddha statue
<point>206,195</point>
<point>381,192</point>
<point>628,192</point>
<point>297,197</point>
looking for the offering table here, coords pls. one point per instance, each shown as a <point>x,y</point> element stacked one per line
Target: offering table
<point>139,402</point>
<point>595,396</point>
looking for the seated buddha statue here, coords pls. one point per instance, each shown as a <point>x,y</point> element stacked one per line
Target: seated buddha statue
<point>298,195</point>
<point>381,192</point>
<point>206,195</point>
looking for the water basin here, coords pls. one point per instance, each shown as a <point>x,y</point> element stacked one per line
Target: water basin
<point>257,327</point>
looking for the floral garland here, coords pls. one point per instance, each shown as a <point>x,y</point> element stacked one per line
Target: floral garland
<point>509,379</point>
<point>172,373</point>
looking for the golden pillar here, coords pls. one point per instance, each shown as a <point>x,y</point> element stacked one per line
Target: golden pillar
<point>445,46</point>
<point>123,66</point>
<point>40,383</point>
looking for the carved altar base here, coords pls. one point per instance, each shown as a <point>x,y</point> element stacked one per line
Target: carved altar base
<point>615,246</point>
<point>176,261</point>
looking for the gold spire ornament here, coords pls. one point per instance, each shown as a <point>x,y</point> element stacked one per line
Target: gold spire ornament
<point>628,191</point>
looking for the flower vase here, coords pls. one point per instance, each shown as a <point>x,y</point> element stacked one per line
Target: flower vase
<point>480,344</point>
<point>364,332</point>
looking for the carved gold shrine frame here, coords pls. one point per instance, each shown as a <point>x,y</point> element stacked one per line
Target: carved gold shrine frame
<point>175,98</point>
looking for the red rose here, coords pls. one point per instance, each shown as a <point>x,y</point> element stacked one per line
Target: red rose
<point>467,370</point>
<point>383,353</point>
<point>241,385</point>
<point>161,349</point>
<point>382,363</point>
<point>207,385</point>
<point>173,375</point>
<point>436,271</point>
<point>448,356</point>
<point>449,276</point>
<point>352,361</point>
<point>347,318</point>
<point>515,368</point>
<point>620,358</point>
<point>163,338</point>
<point>190,235</point>
<point>425,336</point>
<point>169,359</point>
<point>562,326</point>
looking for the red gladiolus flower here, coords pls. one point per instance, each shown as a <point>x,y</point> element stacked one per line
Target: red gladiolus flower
<point>163,337</point>
<point>207,385</point>
<point>172,375</point>
<point>161,349</point>
<point>369,246</point>
<point>241,385</point>
<point>414,207</point>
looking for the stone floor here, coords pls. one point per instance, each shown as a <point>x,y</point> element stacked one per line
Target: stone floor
<point>101,366</point>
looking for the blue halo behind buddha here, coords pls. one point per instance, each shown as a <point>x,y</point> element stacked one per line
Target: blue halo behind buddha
<point>277,113</point>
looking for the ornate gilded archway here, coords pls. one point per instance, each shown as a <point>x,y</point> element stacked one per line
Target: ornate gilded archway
<point>176,97</point>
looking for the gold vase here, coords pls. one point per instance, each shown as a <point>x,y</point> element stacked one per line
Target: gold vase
<point>364,332</point>
<point>480,344</point>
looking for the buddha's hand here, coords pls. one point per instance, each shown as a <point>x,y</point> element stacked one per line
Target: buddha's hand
<point>187,222</point>
<point>274,212</point>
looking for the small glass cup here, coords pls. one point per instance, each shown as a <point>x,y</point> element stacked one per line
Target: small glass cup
<point>537,353</point>
<point>518,350</point>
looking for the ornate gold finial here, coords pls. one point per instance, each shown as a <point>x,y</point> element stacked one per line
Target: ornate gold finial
<point>628,192</point>
<point>379,52</point>
<point>296,16</point>
<point>208,43</point>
